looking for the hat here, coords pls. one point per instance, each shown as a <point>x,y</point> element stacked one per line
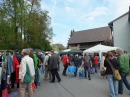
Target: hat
<point>46,52</point>
<point>16,50</point>
<point>56,52</point>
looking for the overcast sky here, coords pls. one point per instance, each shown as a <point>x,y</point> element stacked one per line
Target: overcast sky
<point>81,15</point>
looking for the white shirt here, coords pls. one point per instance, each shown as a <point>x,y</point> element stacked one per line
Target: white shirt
<point>26,60</point>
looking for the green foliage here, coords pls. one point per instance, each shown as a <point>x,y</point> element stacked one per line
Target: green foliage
<point>55,48</point>
<point>60,46</point>
<point>71,33</point>
<point>24,24</point>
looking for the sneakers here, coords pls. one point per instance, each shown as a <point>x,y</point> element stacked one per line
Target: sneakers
<point>59,80</point>
<point>39,84</point>
<point>26,93</point>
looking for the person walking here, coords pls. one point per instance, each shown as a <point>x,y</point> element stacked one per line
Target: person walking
<point>110,77</point>
<point>35,60</point>
<point>65,60</point>
<point>26,74</point>
<point>102,63</point>
<point>15,74</point>
<point>76,63</point>
<point>87,65</point>
<point>95,62</point>
<point>46,64</point>
<point>54,59</point>
<point>123,67</point>
<point>42,67</point>
<point>40,63</point>
<point>19,57</point>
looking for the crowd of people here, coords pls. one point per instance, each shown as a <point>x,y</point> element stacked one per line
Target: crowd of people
<point>91,62</point>
<point>21,70</point>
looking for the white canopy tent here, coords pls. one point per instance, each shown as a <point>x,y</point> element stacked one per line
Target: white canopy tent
<point>99,49</point>
<point>66,50</point>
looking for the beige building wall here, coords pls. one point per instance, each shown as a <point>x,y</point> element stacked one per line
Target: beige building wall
<point>76,47</point>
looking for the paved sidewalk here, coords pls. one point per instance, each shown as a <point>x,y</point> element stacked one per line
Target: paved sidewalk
<point>71,86</point>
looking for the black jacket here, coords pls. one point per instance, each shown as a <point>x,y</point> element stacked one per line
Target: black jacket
<point>76,61</point>
<point>108,68</point>
<point>19,57</point>
<point>39,58</point>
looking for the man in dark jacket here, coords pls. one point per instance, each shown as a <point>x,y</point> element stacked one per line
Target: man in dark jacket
<point>54,59</point>
<point>76,63</point>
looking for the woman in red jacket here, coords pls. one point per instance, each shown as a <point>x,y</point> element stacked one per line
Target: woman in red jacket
<point>95,62</point>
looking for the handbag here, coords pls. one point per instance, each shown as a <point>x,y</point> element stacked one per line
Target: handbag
<point>116,73</point>
<point>27,77</point>
<point>103,72</point>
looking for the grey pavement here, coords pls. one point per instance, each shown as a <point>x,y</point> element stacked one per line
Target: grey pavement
<point>71,86</point>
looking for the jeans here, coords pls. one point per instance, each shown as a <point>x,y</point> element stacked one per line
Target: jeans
<point>41,69</point>
<point>125,81</point>
<point>87,69</point>
<point>65,68</point>
<point>92,69</point>
<point>36,77</point>
<point>96,68</point>
<point>75,73</point>
<point>112,85</point>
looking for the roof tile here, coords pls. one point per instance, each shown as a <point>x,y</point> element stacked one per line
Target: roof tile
<point>91,35</point>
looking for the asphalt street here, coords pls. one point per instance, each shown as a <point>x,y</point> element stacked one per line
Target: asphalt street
<point>71,86</point>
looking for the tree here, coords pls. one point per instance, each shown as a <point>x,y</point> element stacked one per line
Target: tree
<point>24,24</point>
<point>55,48</point>
<point>60,46</point>
<point>71,33</point>
<point>108,42</point>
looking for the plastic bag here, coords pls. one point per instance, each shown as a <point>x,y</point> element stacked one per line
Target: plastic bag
<point>80,70</point>
<point>71,69</point>
<point>33,86</point>
<point>5,93</point>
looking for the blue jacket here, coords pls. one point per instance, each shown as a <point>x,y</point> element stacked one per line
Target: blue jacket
<point>9,64</point>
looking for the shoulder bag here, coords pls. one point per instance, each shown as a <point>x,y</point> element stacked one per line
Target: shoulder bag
<point>27,77</point>
<point>116,73</point>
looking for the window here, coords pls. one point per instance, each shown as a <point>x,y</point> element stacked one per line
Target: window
<point>73,45</point>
